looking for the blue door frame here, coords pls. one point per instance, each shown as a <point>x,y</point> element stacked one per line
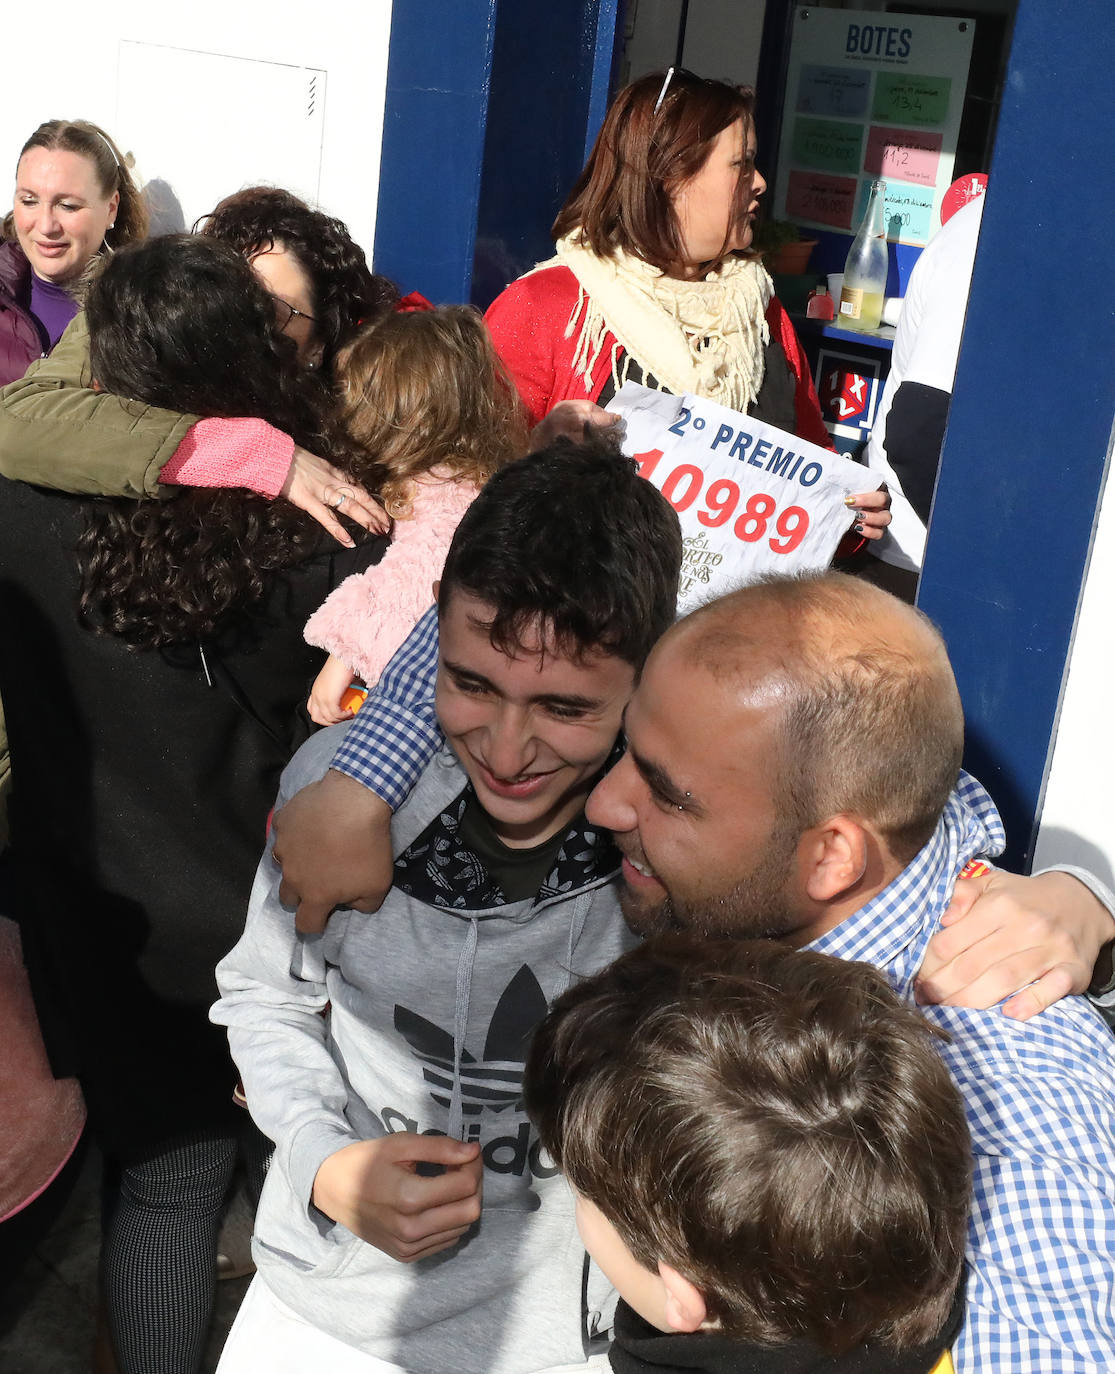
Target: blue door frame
<point>1030,427</point>
<point>491,108</point>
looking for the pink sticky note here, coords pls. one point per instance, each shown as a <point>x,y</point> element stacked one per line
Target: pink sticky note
<point>821,199</point>
<point>903,154</point>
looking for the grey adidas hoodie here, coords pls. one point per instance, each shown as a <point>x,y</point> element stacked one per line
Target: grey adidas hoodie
<point>431,1001</point>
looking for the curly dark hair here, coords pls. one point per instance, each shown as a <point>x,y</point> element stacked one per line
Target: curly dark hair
<point>346,291</point>
<point>182,322</point>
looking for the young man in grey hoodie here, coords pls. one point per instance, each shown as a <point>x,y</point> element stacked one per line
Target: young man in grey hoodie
<point>409,1220</point>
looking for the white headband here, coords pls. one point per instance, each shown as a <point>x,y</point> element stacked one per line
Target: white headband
<point>109,146</point>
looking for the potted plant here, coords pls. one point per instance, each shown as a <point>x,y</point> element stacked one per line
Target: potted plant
<point>785,252</point>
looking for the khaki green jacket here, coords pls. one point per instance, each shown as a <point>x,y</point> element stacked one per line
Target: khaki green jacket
<point>56,431</point>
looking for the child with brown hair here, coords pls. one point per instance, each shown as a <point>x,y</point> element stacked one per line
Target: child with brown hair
<point>425,397</point>
<point>771,1161</point>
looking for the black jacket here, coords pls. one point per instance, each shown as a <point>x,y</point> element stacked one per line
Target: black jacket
<point>141,795</point>
<point>638,1348</point>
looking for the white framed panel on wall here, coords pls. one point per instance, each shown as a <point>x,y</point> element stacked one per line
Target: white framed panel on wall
<point>202,132</point>
<point>93,76</point>
<point>871,95</point>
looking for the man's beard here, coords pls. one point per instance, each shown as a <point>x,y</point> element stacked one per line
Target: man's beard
<point>757,906</point>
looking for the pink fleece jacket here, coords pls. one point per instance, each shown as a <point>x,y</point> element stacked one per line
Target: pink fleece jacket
<point>369,615</point>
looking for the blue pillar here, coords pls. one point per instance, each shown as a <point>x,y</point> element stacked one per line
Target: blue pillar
<point>551,78</point>
<point>438,79</point>
<point>1033,406</point>
<point>491,106</point>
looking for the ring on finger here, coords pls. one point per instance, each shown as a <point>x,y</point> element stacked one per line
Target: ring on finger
<point>342,494</point>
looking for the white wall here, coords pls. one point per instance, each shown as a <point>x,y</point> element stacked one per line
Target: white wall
<point>208,127</point>
<point>1078,817</point>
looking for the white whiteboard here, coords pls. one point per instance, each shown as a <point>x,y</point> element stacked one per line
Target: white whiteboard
<point>205,125</point>
<point>871,94</point>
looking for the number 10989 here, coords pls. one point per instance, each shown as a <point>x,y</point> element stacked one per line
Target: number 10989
<point>684,486</point>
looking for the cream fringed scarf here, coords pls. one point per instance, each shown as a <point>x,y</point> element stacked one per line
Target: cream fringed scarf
<point>706,337</point>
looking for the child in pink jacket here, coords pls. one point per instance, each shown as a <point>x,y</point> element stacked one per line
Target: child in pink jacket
<point>425,396</point>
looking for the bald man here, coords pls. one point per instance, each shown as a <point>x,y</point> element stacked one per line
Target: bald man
<point>791,747</point>
<point>791,771</point>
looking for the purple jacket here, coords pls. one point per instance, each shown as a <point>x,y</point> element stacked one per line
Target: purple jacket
<point>21,338</point>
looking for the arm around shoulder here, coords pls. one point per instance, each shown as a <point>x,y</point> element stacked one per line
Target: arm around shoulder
<point>333,840</point>
<point>1039,938</point>
<point>57,431</point>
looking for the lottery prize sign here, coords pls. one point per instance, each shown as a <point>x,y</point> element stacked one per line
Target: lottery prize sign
<point>751,498</point>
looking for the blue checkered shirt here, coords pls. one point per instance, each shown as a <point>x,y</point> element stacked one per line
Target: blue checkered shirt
<point>1040,1102</point>
<point>396,732</point>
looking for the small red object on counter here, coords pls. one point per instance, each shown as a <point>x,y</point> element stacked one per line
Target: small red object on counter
<point>820,305</point>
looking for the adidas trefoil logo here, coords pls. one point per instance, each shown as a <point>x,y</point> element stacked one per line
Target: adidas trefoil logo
<point>495,1081</point>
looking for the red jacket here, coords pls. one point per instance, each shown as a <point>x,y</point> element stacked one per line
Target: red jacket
<point>528,322</point>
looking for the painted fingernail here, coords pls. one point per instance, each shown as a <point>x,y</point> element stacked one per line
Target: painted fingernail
<point>849,500</point>
<point>858,527</point>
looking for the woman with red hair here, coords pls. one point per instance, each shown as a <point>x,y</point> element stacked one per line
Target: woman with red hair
<point>654,278</point>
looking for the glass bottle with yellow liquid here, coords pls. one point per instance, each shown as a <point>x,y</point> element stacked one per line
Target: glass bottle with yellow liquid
<point>865,272</point>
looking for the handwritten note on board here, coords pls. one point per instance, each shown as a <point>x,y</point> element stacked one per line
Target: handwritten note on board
<point>822,199</point>
<point>902,78</point>
<point>833,91</point>
<point>905,154</point>
<point>911,99</point>
<point>830,145</point>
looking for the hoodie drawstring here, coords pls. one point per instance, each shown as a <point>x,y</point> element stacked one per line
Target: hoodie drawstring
<point>465,965</point>
<point>577,918</point>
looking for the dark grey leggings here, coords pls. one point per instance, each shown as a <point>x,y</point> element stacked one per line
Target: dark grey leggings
<point>162,1212</point>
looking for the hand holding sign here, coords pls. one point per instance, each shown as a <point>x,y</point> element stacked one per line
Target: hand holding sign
<point>751,499</point>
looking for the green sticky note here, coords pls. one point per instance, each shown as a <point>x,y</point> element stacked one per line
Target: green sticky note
<point>829,145</point>
<point>910,99</point>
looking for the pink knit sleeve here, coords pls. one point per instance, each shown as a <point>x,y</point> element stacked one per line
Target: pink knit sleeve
<point>366,618</point>
<point>245,452</point>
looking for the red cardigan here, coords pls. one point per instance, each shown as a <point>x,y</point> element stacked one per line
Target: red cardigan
<point>528,321</point>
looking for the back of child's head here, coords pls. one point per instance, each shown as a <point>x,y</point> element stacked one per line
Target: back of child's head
<point>570,536</point>
<point>772,1123</point>
<point>424,389</point>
